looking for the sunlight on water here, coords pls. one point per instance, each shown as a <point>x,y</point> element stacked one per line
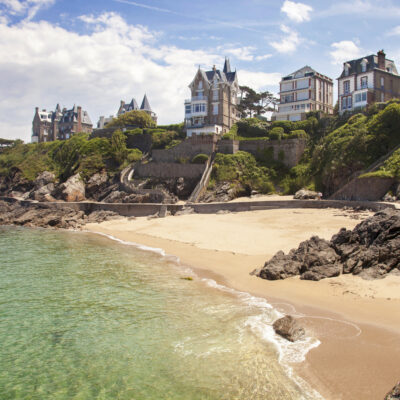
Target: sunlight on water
<point>83,317</point>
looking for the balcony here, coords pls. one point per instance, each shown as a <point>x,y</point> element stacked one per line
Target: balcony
<point>196,99</point>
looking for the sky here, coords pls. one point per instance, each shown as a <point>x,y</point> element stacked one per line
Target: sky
<point>95,53</point>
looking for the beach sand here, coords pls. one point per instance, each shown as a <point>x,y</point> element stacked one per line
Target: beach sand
<point>357,321</point>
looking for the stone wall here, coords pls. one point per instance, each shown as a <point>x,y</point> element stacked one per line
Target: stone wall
<point>361,189</point>
<point>186,150</point>
<point>169,170</point>
<point>227,146</point>
<point>288,151</point>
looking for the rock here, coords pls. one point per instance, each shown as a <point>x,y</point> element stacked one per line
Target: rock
<point>185,211</point>
<point>397,191</point>
<point>97,186</point>
<point>72,190</point>
<point>44,179</point>
<point>102,215</point>
<point>371,250</point>
<point>289,328</point>
<point>389,198</point>
<point>43,193</point>
<point>305,194</point>
<point>313,260</point>
<point>394,394</point>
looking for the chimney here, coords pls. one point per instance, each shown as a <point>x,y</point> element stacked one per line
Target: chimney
<point>79,127</point>
<point>381,60</point>
<point>122,103</point>
<point>36,110</point>
<point>214,69</point>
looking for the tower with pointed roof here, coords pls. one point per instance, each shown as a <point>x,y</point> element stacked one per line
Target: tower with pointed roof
<point>303,91</point>
<point>133,105</point>
<point>212,108</point>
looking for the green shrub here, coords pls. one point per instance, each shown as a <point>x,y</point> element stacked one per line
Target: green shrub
<point>298,133</point>
<point>377,174</point>
<point>252,127</point>
<point>134,118</point>
<point>200,159</point>
<point>276,133</point>
<point>286,126</point>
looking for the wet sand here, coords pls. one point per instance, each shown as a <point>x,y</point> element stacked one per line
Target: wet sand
<point>357,321</point>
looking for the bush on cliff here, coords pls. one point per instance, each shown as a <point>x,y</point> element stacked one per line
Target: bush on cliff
<point>242,171</point>
<point>200,159</point>
<point>135,118</point>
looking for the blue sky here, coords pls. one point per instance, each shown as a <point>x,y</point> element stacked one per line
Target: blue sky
<point>95,53</point>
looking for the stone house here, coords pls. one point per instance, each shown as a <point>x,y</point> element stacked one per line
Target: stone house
<point>303,91</point>
<point>366,80</point>
<point>212,108</point>
<point>145,106</point>
<point>59,124</point>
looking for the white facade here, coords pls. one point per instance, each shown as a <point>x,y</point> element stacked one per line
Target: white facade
<point>204,130</point>
<point>303,91</point>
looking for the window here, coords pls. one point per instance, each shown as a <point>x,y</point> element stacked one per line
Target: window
<point>199,108</point>
<point>346,87</point>
<point>346,70</point>
<point>364,82</point>
<point>344,103</point>
<point>215,94</point>
<point>188,109</point>
<point>215,109</point>
<point>363,67</point>
<point>382,82</point>
<point>349,102</point>
<point>361,97</point>
<point>200,85</point>
<point>382,97</point>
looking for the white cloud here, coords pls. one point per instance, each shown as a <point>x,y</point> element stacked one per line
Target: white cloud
<point>297,12</point>
<point>344,51</point>
<point>48,64</point>
<point>259,80</point>
<point>288,42</point>
<point>395,31</point>
<point>241,53</point>
<point>27,8</point>
<point>263,57</point>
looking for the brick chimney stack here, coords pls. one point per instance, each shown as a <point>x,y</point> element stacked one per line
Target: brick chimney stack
<point>36,110</point>
<point>381,60</point>
<point>79,127</point>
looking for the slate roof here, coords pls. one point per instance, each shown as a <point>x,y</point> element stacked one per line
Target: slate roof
<point>145,104</point>
<point>372,63</point>
<point>131,106</point>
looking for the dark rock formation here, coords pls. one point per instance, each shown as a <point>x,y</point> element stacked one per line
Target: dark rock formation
<point>305,194</point>
<point>289,328</point>
<point>39,215</point>
<point>394,394</point>
<point>371,250</point>
<point>97,186</point>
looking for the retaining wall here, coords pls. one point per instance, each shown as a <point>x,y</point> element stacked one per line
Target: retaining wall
<point>169,170</point>
<point>288,151</point>
<point>369,189</point>
<point>187,149</point>
<point>140,210</point>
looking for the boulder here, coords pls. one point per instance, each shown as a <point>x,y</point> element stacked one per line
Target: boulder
<point>389,198</point>
<point>289,328</point>
<point>71,190</point>
<point>44,179</point>
<point>43,193</point>
<point>371,250</point>
<point>305,194</point>
<point>394,394</point>
<point>97,185</point>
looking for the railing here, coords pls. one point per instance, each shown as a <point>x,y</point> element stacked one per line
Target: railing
<point>205,178</point>
<point>196,98</point>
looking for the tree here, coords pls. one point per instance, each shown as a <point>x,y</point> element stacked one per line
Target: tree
<point>135,118</point>
<point>118,147</point>
<point>253,103</point>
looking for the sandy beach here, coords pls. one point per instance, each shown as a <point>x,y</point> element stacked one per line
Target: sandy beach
<point>357,321</point>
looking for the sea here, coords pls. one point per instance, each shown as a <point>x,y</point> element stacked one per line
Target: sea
<point>83,316</point>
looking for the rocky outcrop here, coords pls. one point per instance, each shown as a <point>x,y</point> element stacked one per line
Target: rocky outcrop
<point>394,394</point>
<point>98,186</point>
<point>71,190</point>
<point>38,215</point>
<point>305,194</point>
<point>223,192</point>
<point>289,328</point>
<point>371,250</point>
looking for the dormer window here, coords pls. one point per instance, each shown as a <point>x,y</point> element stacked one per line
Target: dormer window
<point>200,85</point>
<point>346,69</point>
<point>364,63</point>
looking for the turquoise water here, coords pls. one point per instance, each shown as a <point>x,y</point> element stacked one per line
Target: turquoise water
<point>83,317</point>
